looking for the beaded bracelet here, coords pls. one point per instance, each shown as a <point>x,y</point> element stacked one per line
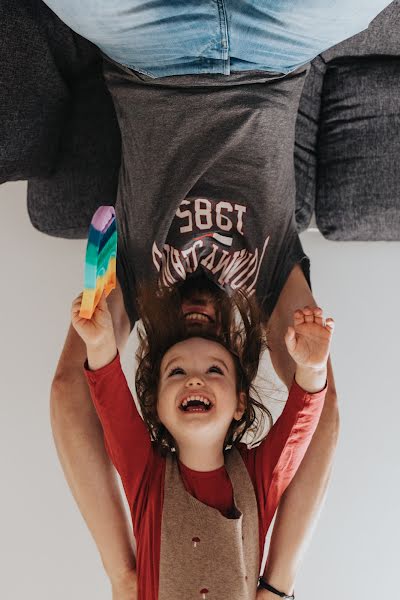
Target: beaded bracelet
<point>262,583</point>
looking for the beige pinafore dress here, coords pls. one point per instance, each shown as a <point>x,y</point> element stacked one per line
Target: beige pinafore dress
<point>205,555</point>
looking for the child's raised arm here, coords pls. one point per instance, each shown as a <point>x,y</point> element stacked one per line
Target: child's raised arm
<point>127,438</point>
<point>275,461</point>
<point>308,343</point>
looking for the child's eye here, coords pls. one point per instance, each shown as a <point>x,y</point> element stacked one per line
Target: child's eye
<point>176,371</point>
<point>215,369</point>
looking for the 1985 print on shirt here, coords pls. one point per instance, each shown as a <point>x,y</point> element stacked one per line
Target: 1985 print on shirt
<point>208,234</point>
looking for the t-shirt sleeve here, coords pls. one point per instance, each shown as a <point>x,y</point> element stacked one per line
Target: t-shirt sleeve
<point>279,455</point>
<point>126,279</point>
<point>127,439</point>
<point>292,253</point>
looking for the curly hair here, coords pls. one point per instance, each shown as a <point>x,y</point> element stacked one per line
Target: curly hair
<point>241,332</point>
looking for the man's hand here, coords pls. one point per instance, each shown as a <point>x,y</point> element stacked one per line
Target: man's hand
<point>125,589</point>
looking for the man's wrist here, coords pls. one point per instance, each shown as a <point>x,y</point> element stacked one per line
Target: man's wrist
<point>311,380</point>
<point>274,591</point>
<point>266,595</point>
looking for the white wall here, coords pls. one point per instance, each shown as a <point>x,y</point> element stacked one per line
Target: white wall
<point>46,550</point>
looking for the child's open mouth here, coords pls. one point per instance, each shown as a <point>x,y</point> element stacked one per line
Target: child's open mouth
<point>196,403</point>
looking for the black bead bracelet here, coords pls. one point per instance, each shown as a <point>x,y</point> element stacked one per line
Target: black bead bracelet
<point>262,583</point>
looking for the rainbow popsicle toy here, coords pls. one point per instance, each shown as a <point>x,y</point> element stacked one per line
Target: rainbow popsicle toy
<point>100,261</point>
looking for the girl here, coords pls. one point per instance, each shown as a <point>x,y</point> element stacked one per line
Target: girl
<point>197,495</point>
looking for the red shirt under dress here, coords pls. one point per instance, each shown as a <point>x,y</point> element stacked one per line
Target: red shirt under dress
<point>271,465</point>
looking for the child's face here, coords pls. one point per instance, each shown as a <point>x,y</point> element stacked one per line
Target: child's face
<point>202,369</point>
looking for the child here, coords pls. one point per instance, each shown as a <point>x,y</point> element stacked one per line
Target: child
<point>200,510</point>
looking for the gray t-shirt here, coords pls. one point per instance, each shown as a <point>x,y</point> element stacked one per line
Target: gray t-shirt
<point>207,179</point>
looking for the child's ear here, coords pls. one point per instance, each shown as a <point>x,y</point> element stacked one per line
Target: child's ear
<point>241,405</point>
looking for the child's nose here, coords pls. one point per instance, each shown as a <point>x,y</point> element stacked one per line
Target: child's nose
<point>194,382</point>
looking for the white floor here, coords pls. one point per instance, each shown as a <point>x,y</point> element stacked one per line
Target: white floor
<point>46,550</point>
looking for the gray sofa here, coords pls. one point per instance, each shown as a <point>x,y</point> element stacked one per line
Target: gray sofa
<point>347,153</point>
<point>59,131</point>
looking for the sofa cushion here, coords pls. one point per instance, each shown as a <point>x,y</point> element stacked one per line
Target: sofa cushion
<point>31,110</point>
<point>87,165</point>
<point>40,59</point>
<point>305,149</point>
<point>358,185</point>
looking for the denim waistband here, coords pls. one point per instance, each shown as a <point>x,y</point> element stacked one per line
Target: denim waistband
<point>170,37</point>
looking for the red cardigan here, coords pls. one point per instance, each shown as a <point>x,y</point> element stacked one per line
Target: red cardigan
<point>271,465</point>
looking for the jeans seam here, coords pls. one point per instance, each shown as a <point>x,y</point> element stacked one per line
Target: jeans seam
<point>223,28</point>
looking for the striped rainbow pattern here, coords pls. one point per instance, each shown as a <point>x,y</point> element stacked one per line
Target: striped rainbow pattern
<point>100,262</point>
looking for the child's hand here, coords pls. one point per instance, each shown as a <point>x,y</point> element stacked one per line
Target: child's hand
<point>96,330</point>
<point>308,341</point>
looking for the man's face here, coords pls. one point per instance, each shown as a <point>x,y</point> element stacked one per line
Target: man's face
<point>200,305</point>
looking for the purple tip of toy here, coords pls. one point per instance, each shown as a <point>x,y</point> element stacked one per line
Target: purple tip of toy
<point>103,217</point>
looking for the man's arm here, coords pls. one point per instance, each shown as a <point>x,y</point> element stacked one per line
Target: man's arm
<point>303,500</point>
<point>79,440</point>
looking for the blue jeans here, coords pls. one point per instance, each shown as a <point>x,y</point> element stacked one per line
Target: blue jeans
<point>177,37</point>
